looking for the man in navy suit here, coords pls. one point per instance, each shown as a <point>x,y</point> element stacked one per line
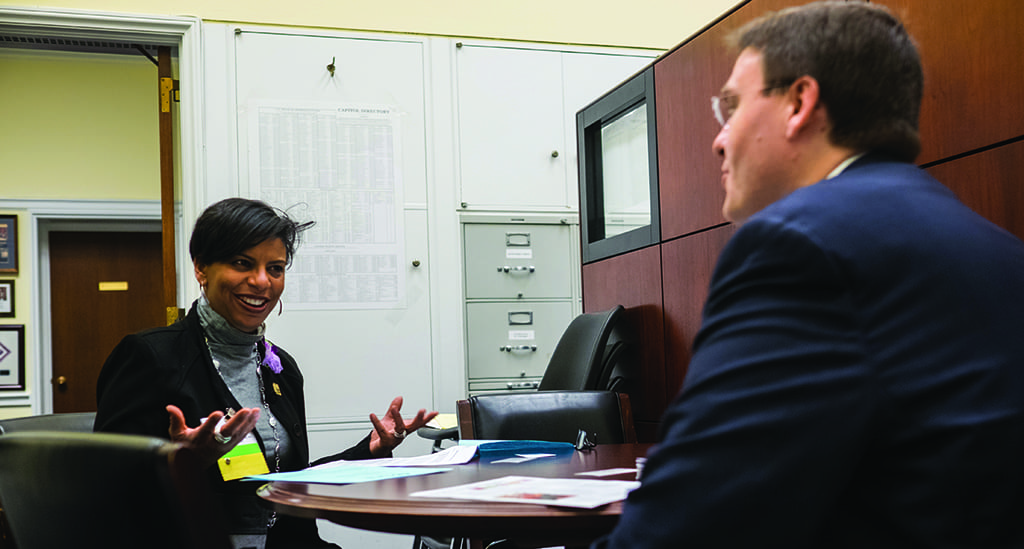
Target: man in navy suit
<point>858,380</point>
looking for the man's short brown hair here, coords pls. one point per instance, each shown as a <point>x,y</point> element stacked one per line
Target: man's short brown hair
<point>865,63</point>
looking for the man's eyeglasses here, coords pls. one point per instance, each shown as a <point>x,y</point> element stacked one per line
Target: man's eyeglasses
<point>723,106</point>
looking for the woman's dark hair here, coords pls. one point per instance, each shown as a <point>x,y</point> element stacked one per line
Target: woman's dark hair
<point>234,225</point>
<point>865,62</point>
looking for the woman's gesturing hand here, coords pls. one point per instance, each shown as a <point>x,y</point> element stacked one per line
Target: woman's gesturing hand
<point>390,430</point>
<point>207,441</point>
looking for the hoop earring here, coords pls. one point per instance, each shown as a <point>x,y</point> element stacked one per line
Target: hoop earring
<point>280,306</point>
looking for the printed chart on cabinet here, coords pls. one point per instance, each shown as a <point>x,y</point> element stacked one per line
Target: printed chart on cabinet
<point>338,161</point>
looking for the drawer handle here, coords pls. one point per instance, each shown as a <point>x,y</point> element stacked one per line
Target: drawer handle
<point>522,385</point>
<point>510,348</point>
<point>517,268</point>
<point>520,318</point>
<point>517,239</point>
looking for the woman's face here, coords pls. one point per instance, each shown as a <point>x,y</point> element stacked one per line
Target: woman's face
<point>245,288</point>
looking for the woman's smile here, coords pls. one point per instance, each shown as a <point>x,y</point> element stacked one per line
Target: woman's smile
<point>245,288</point>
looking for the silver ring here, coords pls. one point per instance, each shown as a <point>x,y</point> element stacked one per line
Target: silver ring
<point>397,435</point>
<point>220,438</point>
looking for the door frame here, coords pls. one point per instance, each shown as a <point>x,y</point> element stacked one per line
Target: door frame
<point>44,225</point>
<point>183,33</point>
<point>68,215</point>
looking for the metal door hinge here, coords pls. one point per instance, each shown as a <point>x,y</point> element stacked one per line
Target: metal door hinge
<point>168,92</point>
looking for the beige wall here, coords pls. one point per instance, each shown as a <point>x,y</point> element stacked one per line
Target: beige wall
<point>78,126</point>
<point>640,23</point>
<point>75,126</point>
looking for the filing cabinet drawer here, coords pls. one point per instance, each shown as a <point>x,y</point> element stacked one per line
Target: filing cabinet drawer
<point>521,385</point>
<point>506,261</point>
<point>513,340</point>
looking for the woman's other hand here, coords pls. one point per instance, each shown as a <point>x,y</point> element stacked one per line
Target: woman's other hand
<point>390,430</point>
<point>203,440</point>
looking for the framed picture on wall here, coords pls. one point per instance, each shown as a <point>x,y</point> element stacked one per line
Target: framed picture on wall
<point>6,298</point>
<point>8,244</point>
<point>12,358</point>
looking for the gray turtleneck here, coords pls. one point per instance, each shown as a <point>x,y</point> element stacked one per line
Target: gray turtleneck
<point>234,355</point>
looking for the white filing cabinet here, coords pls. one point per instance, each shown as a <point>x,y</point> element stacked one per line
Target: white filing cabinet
<point>517,119</point>
<point>520,294</point>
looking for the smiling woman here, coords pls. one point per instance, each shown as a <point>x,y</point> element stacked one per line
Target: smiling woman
<point>246,288</point>
<point>240,249</point>
<point>228,393</point>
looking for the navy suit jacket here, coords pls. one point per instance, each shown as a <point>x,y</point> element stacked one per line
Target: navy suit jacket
<point>858,380</point>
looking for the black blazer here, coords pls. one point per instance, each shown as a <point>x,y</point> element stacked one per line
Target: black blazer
<point>171,365</point>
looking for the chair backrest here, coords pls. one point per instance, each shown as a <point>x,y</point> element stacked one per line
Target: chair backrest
<point>63,489</point>
<point>80,422</point>
<point>555,416</point>
<point>576,362</point>
<point>619,371</point>
<point>77,422</point>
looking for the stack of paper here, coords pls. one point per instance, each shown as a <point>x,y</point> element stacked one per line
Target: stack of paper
<point>562,492</point>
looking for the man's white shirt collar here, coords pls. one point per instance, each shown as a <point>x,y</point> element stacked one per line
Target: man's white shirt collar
<point>843,165</point>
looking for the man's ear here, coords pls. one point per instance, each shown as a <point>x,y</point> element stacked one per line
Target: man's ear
<point>805,98</point>
<point>200,275</point>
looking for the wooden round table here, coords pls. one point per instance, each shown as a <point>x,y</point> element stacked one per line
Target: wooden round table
<point>385,505</point>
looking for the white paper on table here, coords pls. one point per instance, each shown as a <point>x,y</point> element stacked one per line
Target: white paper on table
<point>607,472</point>
<point>560,492</point>
<point>520,458</point>
<point>347,475</point>
<point>456,455</point>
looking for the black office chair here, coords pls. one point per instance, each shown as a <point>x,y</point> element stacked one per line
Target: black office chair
<point>619,371</point>
<point>577,362</point>
<point>589,356</point>
<point>65,489</point>
<point>438,436</point>
<point>76,422</point>
<point>555,416</point>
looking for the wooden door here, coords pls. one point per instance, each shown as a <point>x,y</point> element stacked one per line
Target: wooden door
<point>103,286</point>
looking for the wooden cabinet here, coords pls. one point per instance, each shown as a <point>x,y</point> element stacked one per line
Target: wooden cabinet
<point>688,173</point>
<point>973,82</point>
<point>989,182</point>
<point>687,266</point>
<point>633,280</point>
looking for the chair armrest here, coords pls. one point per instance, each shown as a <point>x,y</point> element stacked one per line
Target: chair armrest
<point>438,435</point>
<point>431,433</point>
